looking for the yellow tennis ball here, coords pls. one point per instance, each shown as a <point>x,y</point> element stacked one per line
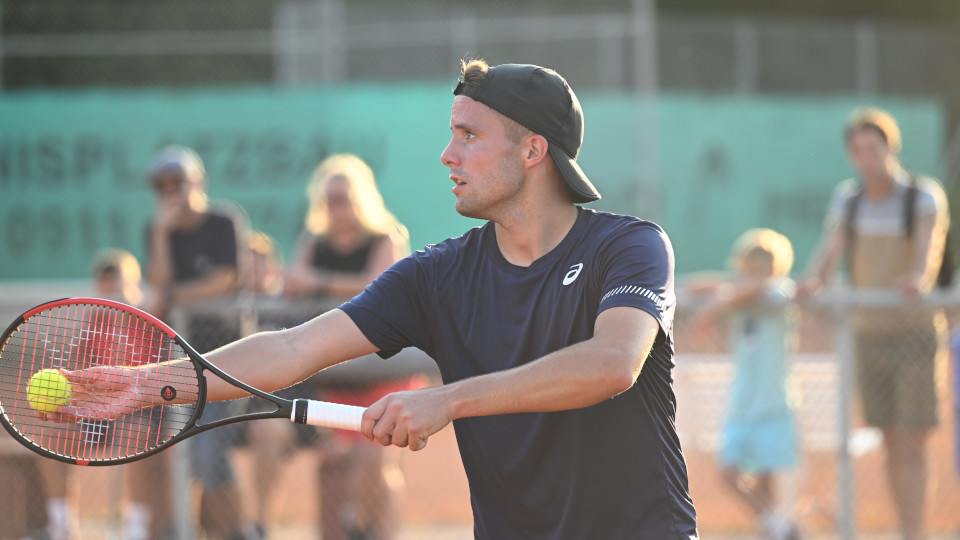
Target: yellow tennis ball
<point>48,390</point>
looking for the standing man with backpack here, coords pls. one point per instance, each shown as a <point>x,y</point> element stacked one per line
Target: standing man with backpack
<point>890,226</point>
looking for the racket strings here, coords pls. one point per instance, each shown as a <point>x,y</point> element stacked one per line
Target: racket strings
<point>81,336</point>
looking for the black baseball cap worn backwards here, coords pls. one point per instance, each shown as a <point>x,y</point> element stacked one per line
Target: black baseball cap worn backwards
<point>539,99</point>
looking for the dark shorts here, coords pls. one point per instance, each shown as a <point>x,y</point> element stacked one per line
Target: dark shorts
<point>897,379</point>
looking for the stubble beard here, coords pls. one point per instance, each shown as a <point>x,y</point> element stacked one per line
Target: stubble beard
<point>502,189</point>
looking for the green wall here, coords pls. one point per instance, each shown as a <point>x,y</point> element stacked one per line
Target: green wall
<point>73,164</point>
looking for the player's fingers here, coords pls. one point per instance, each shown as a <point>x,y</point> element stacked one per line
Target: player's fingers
<point>399,437</point>
<point>370,418</point>
<point>102,376</point>
<point>383,432</point>
<point>419,443</point>
<point>104,407</point>
<point>383,429</point>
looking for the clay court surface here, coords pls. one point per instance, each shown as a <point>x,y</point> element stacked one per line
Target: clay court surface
<point>436,502</point>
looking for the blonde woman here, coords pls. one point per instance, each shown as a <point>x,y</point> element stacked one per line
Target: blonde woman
<point>349,236</point>
<point>349,239</point>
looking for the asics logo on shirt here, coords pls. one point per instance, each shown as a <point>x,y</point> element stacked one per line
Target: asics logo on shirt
<point>572,273</point>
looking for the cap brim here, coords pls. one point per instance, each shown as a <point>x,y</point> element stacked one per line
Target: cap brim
<point>579,186</point>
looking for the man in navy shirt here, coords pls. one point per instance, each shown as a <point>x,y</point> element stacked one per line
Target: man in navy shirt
<point>551,326</point>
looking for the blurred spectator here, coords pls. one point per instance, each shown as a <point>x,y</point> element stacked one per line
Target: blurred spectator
<point>264,264</point>
<point>117,276</point>
<point>890,225</point>
<point>23,493</point>
<point>193,257</point>
<point>760,432</point>
<point>61,494</point>
<point>270,440</point>
<point>349,238</point>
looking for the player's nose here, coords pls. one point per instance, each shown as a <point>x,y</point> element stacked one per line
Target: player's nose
<point>448,156</point>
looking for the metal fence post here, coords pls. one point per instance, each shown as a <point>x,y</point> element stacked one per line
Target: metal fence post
<point>643,31</point>
<point>846,493</point>
<point>180,491</point>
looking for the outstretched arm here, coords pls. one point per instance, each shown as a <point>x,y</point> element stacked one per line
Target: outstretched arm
<point>576,376</point>
<point>267,360</point>
<point>274,360</point>
<point>730,297</point>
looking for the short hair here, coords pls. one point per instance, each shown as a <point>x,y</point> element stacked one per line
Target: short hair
<point>116,261</point>
<point>120,264</point>
<point>475,72</point>
<point>765,245</point>
<point>877,120</point>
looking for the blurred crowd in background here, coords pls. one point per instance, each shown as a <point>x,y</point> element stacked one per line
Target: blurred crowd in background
<point>237,166</point>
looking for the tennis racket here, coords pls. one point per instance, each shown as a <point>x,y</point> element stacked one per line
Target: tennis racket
<point>103,346</point>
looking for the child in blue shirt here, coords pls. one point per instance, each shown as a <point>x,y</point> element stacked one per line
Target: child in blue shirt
<point>759,432</point>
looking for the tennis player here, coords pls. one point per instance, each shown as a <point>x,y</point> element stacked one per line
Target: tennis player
<point>551,325</point>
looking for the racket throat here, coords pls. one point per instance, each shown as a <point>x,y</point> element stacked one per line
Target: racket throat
<point>299,415</point>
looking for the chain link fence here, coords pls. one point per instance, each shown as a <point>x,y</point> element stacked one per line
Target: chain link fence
<point>840,487</point>
<point>609,45</point>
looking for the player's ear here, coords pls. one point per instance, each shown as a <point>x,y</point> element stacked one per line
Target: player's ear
<point>535,149</point>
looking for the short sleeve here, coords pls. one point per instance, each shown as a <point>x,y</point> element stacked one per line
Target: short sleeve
<point>638,271</point>
<point>838,203</point>
<point>391,311</point>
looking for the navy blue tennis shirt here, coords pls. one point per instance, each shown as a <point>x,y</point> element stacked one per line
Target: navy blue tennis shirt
<point>612,470</point>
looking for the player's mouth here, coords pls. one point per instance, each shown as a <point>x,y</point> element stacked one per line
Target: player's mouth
<point>459,182</point>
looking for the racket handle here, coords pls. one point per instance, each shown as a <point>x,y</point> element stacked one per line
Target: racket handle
<point>326,414</point>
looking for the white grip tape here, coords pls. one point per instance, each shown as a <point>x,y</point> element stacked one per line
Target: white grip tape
<point>333,415</point>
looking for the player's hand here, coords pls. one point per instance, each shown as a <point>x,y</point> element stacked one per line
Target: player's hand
<point>406,418</point>
<point>102,392</point>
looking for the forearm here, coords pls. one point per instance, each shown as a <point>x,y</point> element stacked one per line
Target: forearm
<point>573,377</point>
<point>577,376</point>
<point>826,259</point>
<point>255,360</point>
<point>267,361</point>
